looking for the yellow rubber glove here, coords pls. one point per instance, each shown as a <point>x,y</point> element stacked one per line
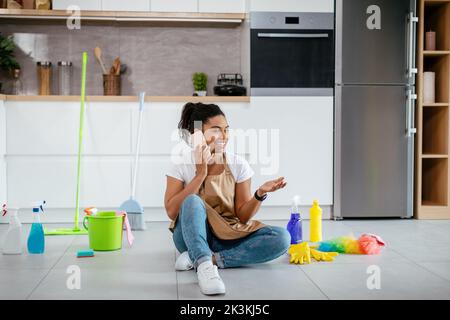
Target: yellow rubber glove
<point>300,253</point>
<point>323,256</point>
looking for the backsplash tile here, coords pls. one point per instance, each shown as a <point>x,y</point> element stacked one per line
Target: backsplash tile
<point>160,60</point>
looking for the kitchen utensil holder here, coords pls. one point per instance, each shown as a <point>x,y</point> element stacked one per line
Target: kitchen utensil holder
<point>111,85</point>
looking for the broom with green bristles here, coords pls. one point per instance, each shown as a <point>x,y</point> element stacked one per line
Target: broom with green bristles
<point>134,210</point>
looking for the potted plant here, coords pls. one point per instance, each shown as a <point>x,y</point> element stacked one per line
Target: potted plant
<point>7,61</point>
<point>200,80</point>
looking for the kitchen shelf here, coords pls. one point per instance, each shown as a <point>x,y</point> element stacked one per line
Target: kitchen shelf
<point>435,182</point>
<point>436,53</point>
<point>129,98</point>
<point>441,66</point>
<point>435,130</point>
<point>437,104</point>
<point>432,188</point>
<point>437,18</point>
<point>434,156</point>
<point>221,19</point>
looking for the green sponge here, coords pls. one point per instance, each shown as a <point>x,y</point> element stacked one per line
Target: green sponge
<point>85,254</point>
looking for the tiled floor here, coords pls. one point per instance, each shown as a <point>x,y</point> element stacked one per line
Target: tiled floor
<point>414,265</point>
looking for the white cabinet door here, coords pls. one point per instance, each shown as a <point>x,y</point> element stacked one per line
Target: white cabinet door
<point>301,151</point>
<point>159,128</point>
<point>105,181</point>
<point>2,129</point>
<point>174,5</point>
<point>83,4</point>
<point>221,6</point>
<point>151,181</point>
<point>3,193</point>
<point>292,5</point>
<point>51,128</point>
<point>121,5</point>
<point>279,136</point>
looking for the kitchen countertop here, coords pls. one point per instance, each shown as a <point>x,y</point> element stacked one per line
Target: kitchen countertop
<point>127,98</point>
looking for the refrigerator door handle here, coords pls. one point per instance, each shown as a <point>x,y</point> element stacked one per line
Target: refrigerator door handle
<point>410,114</point>
<point>412,20</point>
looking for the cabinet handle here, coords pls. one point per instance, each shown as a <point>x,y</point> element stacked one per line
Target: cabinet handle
<point>293,35</point>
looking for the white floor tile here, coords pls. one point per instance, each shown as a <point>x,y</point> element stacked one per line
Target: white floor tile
<point>108,284</point>
<point>272,281</point>
<point>397,281</point>
<point>19,283</point>
<point>414,265</point>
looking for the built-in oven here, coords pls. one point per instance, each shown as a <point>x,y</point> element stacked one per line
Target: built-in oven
<point>292,54</point>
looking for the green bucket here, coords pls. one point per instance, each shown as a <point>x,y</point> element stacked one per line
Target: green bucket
<point>105,231</point>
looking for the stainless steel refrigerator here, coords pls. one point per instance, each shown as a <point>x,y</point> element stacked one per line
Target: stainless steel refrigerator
<point>374,108</point>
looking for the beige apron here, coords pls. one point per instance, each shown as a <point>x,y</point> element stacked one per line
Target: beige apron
<point>218,192</point>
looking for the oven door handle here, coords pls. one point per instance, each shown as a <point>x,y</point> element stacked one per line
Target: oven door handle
<point>293,35</point>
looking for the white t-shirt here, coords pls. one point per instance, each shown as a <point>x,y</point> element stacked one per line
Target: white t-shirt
<point>239,167</point>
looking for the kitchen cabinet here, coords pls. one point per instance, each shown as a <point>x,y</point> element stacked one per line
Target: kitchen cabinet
<point>302,151</point>
<point>292,5</point>
<point>83,4</point>
<point>47,128</point>
<point>105,181</point>
<point>120,5</point>
<point>222,6</point>
<point>2,153</point>
<point>174,5</point>
<point>293,138</point>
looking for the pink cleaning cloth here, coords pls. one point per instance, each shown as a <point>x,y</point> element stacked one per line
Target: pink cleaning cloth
<point>130,236</point>
<point>371,243</point>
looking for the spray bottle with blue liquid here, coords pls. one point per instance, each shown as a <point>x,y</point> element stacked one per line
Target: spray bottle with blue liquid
<point>36,239</point>
<point>294,225</point>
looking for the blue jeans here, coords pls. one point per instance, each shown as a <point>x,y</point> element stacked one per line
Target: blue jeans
<point>192,233</point>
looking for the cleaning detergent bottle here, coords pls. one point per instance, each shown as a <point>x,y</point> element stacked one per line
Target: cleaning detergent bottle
<point>12,242</point>
<point>294,225</point>
<point>36,239</point>
<point>315,216</point>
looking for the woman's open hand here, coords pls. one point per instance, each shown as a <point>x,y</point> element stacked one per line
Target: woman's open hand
<point>271,186</point>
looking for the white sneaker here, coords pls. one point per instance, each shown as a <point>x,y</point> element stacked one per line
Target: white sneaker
<point>209,279</point>
<point>183,262</point>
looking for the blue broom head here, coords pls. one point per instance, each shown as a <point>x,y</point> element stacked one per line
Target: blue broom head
<point>132,206</point>
<point>135,214</point>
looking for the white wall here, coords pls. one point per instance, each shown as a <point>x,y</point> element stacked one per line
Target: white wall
<point>42,146</point>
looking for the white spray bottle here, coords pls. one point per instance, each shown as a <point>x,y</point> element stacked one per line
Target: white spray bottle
<point>12,242</point>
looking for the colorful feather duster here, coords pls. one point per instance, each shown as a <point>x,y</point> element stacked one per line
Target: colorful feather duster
<point>365,244</point>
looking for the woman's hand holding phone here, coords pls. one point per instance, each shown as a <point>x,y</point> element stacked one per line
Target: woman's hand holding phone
<point>202,155</point>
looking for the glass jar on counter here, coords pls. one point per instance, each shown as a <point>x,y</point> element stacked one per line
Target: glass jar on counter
<point>44,73</point>
<point>16,85</point>
<point>65,75</point>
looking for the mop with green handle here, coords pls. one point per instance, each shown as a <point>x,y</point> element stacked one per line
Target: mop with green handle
<point>76,229</point>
